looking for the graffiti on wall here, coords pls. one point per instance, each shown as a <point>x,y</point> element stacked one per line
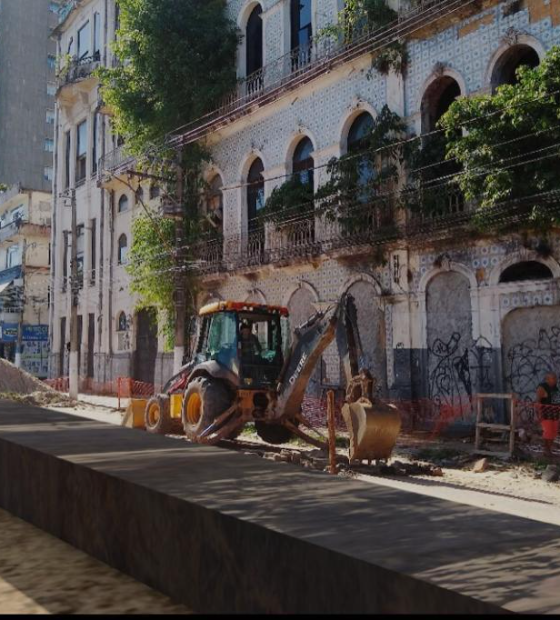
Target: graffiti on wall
<point>458,371</point>
<point>527,364</point>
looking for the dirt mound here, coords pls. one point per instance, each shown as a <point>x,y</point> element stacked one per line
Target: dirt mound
<point>40,399</point>
<point>16,381</point>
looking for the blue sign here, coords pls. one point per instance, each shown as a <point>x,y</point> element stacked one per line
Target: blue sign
<point>36,333</point>
<point>8,332</point>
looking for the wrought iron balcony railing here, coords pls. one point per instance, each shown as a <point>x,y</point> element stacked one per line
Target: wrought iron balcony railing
<point>292,238</point>
<point>10,230</point>
<point>114,162</point>
<point>78,69</point>
<point>305,63</point>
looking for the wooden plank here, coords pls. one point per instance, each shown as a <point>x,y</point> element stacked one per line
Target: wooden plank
<point>490,453</point>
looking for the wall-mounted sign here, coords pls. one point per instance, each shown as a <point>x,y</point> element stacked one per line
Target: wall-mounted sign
<point>37,333</point>
<point>8,332</point>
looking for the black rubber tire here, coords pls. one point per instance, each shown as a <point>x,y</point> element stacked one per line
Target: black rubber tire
<point>165,424</point>
<point>274,434</point>
<point>215,399</point>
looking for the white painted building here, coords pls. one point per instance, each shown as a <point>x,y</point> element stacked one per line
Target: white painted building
<point>25,221</point>
<point>107,321</point>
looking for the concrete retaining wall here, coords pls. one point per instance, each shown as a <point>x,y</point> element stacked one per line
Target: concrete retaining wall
<point>224,532</point>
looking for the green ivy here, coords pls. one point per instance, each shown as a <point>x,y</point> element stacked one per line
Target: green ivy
<point>294,197</point>
<point>508,134</point>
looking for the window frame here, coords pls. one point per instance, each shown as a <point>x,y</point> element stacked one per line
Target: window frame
<point>87,53</point>
<point>81,151</point>
<point>122,260</point>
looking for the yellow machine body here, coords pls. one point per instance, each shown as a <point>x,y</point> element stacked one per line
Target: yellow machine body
<point>176,404</point>
<point>134,414</point>
<point>373,429</point>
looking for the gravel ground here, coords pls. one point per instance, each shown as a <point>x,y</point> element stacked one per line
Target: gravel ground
<point>40,574</point>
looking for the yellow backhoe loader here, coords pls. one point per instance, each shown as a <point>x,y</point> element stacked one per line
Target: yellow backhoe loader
<point>246,370</point>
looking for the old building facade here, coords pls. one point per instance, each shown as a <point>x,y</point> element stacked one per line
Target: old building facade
<point>25,220</point>
<point>107,322</point>
<point>442,315</point>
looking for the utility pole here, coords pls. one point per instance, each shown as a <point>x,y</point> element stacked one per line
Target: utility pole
<point>180,292</point>
<point>74,371</point>
<point>19,344</point>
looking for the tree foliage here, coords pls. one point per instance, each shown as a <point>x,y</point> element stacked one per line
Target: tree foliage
<point>294,197</point>
<point>150,264</point>
<point>177,60</point>
<point>510,145</point>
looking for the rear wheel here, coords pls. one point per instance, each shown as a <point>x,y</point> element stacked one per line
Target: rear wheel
<point>158,418</point>
<point>273,433</point>
<point>205,400</point>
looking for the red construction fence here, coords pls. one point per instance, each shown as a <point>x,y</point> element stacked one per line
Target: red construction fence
<point>419,414</point>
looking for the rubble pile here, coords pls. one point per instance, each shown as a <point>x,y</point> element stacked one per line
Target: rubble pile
<point>18,385</point>
<point>319,461</point>
<point>16,381</point>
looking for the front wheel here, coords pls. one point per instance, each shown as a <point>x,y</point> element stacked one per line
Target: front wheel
<point>157,417</point>
<point>205,400</point>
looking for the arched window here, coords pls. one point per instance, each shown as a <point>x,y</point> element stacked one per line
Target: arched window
<point>254,41</point>
<point>302,29</point>
<point>123,203</point>
<point>255,192</point>
<point>302,162</point>
<point>123,249</point>
<point>505,70</point>
<point>359,131</point>
<point>215,203</point>
<point>358,141</point>
<point>527,270</point>
<point>437,100</point>
<point>122,323</point>
<point>139,194</point>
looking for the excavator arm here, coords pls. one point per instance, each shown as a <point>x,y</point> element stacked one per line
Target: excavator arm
<point>373,426</point>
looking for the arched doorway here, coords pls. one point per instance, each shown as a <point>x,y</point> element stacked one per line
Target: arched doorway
<point>146,346</point>
<point>530,349</point>
<point>254,41</point>
<point>438,199</point>
<point>301,308</point>
<point>449,331</point>
<point>371,326</point>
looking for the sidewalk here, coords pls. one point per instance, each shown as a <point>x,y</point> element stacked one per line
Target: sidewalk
<point>111,402</point>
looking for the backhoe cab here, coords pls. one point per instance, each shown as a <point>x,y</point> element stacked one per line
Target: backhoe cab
<point>245,369</point>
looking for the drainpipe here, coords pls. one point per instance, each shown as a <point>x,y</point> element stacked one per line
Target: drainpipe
<point>54,220</point>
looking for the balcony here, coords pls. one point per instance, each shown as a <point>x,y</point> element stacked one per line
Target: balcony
<point>306,63</point>
<point>78,70</point>
<point>298,239</point>
<point>115,162</point>
<point>11,274</point>
<point>65,10</point>
<point>10,230</point>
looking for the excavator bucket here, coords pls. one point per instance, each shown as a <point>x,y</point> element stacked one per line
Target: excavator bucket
<point>373,429</point>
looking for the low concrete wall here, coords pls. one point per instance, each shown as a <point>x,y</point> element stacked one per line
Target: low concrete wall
<point>225,532</point>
